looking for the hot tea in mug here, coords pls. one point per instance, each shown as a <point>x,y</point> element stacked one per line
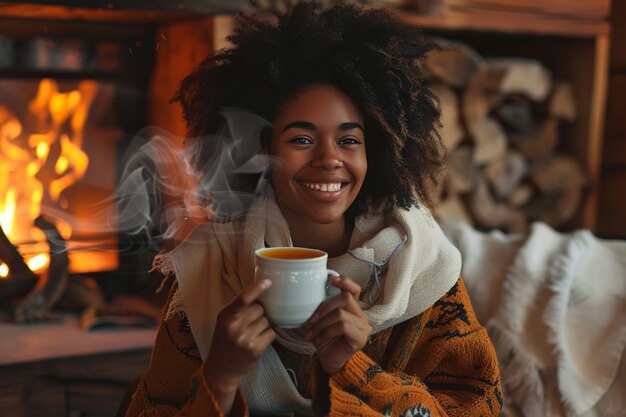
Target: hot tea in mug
<point>299,283</point>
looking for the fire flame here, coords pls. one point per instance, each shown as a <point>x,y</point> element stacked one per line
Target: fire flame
<point>39,161</point>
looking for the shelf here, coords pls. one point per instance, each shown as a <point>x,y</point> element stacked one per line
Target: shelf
<point>37,74</point>
<point>57,369</point>
<point>507,21</point>
<point>112,11</point>
<point>564,17</point>
<point>571,37</point>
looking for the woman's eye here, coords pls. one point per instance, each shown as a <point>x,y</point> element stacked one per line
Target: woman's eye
<point>301,140</point>
<point>349,141</point>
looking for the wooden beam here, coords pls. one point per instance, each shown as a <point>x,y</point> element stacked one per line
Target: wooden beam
<point>147,11</point>
<point>585,9</point>
<point>506,21</point>
<point>596,129</point>
<point>180,47</point>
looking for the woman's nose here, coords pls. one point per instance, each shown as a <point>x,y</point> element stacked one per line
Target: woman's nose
<point>327,156</point>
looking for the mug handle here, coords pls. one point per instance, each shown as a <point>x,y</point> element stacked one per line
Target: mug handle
<point>331,291</point>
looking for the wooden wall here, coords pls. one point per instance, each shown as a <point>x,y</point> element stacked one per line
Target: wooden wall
<point>183,44</point>
<point>180,47</point>
<point>612,201</point>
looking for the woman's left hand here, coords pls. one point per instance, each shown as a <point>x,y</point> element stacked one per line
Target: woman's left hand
<point>339,327</point>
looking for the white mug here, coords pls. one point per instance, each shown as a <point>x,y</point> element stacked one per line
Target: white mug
<point>299,283</point>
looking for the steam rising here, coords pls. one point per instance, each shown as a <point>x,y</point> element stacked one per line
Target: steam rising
<point>163,188</point>
<point>168,186</point>
<point>58,163</point>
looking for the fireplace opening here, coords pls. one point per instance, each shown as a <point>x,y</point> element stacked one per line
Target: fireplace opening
<point>58,156</point>
<point>73,97</point>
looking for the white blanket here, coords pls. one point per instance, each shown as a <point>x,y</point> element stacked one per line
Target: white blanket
<point>555,307</point>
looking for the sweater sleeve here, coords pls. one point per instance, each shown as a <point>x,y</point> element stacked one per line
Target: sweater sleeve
<point>174,384</point>
<point>443,365</point>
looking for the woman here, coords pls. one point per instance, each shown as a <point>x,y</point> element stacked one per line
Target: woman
<point>353,150</point>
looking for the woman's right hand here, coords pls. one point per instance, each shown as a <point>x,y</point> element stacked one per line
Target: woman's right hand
<point>242,334</point>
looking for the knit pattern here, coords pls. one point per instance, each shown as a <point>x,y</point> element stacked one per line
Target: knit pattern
<point>174,384</point>
<point>443,365</point>
<point>440,363</point>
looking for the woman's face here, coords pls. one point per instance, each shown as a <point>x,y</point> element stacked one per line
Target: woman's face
<point>319,142</point>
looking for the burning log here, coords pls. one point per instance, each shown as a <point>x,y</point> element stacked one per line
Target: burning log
<point>11,256</point>
<point>21,278</point>
<point>37,304</point>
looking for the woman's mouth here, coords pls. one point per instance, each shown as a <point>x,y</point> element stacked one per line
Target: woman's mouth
<point>327,191</point>
<point>327,187</point>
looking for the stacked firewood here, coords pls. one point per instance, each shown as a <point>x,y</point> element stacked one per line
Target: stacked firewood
<point>501,122</point>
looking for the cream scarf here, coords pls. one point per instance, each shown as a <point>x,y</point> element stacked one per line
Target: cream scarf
<point>401,259</point>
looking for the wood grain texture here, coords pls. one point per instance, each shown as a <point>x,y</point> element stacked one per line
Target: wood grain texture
<point>58,12</point>
<point>131,11</point>
<point>611,202</point>
<point>180,47</point>
<point>618,34</point>
<point>80,385</point>
<point>615,138</point>
<point>615,151</point>
<point>581,9</point>
<point>612,216</point>
<point>596,128</point>
<point>510,21</point>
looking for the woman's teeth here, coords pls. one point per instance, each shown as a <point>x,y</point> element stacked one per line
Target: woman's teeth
<point>326,187</point>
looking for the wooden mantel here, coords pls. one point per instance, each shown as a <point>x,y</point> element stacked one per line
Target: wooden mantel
<point>41,342</point>
<point>58,369</point>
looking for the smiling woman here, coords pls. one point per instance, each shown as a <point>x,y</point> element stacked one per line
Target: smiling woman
<point>353,150</point>
<point>319,144</point>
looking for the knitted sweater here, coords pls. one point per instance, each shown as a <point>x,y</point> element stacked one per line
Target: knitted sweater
<point>440,363</point>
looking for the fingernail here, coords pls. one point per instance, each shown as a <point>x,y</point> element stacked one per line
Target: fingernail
<point>266,283</point>
<point>336,279</point>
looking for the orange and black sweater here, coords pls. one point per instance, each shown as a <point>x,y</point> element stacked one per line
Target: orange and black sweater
<point>440,363</point>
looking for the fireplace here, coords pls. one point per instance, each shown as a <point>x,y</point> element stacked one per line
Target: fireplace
<point>73,98</point>
<point>58,159</point>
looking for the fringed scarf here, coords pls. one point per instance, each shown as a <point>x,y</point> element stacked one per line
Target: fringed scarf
<point>401,259</point>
